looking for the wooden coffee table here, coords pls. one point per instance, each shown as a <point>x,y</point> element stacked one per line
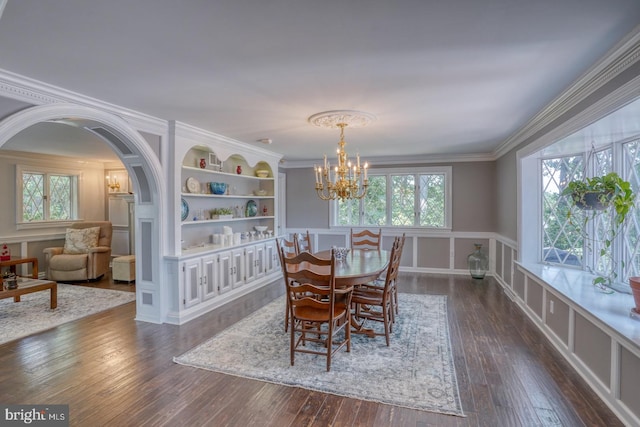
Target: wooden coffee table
<point>11,263</point>
<point>28,286</point>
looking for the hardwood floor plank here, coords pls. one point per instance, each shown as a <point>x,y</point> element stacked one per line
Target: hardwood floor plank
<point>109,367</point>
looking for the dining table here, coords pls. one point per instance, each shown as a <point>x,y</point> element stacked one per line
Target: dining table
<point>359,266</point>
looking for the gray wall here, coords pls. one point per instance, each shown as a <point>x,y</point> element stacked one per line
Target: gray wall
<point>474,196</point>
<point>473,187</point>
<point>304,207</point>
<point>507,196</point>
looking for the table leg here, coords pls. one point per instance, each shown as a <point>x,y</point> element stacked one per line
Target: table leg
<point>54,296</point>
<point>16,298</point>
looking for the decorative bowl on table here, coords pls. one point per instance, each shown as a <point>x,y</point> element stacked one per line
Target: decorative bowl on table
<point>218,187</point>
<point>340,252</point>
<point>262,173</point>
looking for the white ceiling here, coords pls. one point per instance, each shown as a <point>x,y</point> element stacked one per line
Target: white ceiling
<point>442,77</point>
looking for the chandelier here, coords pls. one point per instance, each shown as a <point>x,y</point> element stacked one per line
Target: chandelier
<point>347,180</point>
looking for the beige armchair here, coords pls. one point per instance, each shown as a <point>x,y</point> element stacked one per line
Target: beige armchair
<point>86,254</point>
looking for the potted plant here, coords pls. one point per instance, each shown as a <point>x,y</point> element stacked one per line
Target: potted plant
<point>221,213</point>
<point>605,194</point>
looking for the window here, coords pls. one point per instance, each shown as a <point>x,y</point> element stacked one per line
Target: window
<point>561,243</point>
<point>418,197</point>
<point>46,195</point>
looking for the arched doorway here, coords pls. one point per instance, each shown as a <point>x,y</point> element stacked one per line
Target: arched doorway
<point>145,172</point>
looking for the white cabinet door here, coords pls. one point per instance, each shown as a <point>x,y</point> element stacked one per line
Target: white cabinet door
<point>191,281</point>
<point>226,274</point>
<point>271,257</point>
<point>261,265</point>
<point>209,277</point>
<point>249,264</point>
<point>237,261</point>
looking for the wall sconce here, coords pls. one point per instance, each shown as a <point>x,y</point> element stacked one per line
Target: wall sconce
<point>113,185</point>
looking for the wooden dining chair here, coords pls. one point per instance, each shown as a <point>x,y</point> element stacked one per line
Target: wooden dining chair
<point>366,239</point>
<point>303,242</point>
<point>380,281</point>
<point>376,304</point>
<point>319,313</point>
<point>287,249</point>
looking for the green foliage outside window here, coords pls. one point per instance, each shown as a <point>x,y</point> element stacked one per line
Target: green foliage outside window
<point>411,205</point>
<point>52,202</point>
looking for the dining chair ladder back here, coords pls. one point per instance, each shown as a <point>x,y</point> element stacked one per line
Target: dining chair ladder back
<point>366,239</point>
<point>303,242</point>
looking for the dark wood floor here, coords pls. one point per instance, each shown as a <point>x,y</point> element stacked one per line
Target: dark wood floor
<point>115,371</point>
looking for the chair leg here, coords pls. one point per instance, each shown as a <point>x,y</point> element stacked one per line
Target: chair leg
<point>387,322</point>
<point>293,339</point>
<point>329,345</point>
<point>286,317</point>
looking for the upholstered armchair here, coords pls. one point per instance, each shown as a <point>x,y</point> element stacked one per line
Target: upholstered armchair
<point>86,253</point>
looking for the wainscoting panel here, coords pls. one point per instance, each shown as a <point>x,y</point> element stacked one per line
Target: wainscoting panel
<point>463,247</point>
<point>630,381</point>
<point>593,348</point>
<point>557,317</point>
<point>534,297</point>
<point>433,252</point>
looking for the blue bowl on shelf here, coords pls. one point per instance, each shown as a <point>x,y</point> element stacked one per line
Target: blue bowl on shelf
<point>218,187</point>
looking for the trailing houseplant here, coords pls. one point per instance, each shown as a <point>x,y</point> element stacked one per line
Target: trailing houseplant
<point>606,194</point>
<point>221,213</point>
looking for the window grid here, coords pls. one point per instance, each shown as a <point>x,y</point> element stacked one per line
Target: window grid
<point>561,243</point>
<point>47,196</point>
<point>400,198</point>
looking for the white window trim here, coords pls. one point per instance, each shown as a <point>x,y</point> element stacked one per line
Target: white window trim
<point>22,168</point>
<point>448,215</point>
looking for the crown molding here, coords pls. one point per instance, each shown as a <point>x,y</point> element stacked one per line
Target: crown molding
<point>402,160</point>
<point>25,89</point>
<point>618,59</point>
<point>201,136</point>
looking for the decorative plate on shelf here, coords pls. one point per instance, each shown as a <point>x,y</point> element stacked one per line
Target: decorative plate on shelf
<point>184,213</point>
<point>252,208</point>
<point>193,185</point>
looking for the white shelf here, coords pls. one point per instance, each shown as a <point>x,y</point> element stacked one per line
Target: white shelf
<point>225,196</point>
<point>217,221</point>
<point>228,174</point>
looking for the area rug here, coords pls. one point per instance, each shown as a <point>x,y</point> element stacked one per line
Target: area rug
<point>33,313</point>
<point>416,371</point>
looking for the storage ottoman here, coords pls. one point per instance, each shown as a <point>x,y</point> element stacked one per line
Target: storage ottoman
<point>123,268</point>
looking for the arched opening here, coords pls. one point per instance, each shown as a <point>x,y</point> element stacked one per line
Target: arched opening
<point>145,173</point>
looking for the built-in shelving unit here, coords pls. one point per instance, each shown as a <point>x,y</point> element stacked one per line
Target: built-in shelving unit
<point>222,258</point>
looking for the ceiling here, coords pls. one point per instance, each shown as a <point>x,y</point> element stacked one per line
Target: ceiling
<point>442,78</point>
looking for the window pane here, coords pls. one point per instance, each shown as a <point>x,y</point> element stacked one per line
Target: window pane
<point>32,197</point>
<point>348,212</point>
<point>432,200</point>
<point>60,197</point>
<point>402,200</point>
<point>631,235</point>
<point>375,202</point>
<point>562,243</point>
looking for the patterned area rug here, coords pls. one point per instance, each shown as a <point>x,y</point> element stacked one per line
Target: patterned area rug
<point>33,313</point>
<point>416,371</point>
